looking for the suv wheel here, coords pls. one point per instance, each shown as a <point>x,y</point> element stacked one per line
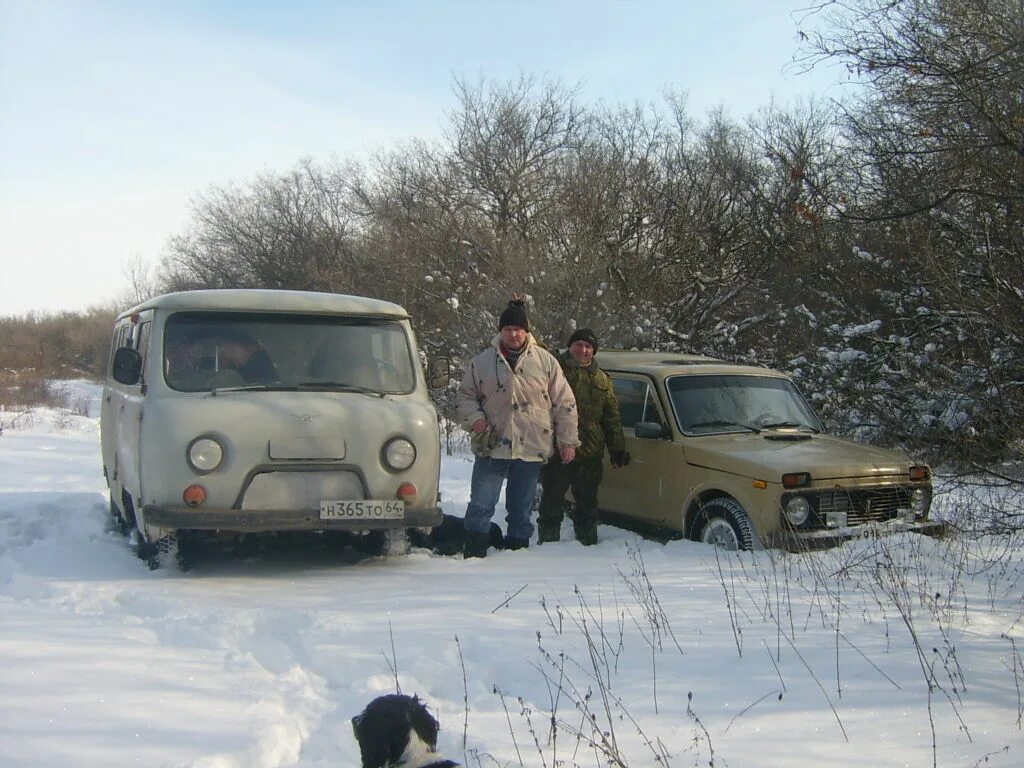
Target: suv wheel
<point>723,522</point>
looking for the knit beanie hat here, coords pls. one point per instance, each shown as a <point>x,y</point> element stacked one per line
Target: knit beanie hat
<point>584,334</point>
<point>514,314</point>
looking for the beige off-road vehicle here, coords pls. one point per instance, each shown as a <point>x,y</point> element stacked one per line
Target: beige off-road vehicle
<point>233,412</point>
<point>733,455</point>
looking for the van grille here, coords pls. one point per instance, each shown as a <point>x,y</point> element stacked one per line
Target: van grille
<point>301,489</point>
<point>864,506</point>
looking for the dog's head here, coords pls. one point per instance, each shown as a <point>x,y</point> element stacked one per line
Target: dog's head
<point>395,730</point>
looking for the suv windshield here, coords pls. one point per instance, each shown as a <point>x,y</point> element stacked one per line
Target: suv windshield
<point>204,351</point>
<point>715,404</point>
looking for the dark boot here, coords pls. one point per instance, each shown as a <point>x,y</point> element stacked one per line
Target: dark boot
<point>546,533</point>
<point>475,545</point>
<point>512,543</point>
<point>497,538</point>
<point>586,532</point>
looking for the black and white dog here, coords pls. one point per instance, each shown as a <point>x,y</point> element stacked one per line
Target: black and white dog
<point>449,537</point>
<point>397,731</point>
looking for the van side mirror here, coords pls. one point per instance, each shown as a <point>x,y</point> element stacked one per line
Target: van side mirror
<point>439,372</point>
<point>649,430</point>
<point>127,366</point>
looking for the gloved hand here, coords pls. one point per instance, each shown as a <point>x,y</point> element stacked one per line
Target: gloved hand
<point>619,458</point>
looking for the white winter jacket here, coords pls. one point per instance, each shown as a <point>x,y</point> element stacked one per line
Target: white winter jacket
<point>528,410</point>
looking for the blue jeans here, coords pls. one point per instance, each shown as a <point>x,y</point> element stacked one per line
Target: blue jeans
<point>485,488</point>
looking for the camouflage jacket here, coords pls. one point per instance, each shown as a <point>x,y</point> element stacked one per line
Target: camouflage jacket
<point>596,406</point>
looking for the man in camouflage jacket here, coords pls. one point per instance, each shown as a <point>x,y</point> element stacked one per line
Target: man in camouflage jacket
<point>598,418</point>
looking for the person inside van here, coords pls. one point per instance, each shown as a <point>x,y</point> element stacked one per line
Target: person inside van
<point>361,368</point>
<point>182,357</point>
<point>240,353</point>
<point>348,360</point>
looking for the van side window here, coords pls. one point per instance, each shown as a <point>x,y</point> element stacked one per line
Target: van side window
<point>637,402</point>
<point>122,338</point>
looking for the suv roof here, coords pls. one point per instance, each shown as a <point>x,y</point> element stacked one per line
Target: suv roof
<point>676,363</point>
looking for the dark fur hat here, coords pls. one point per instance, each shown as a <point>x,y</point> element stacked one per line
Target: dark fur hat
<point>514,314</point>
<point>584,334</point>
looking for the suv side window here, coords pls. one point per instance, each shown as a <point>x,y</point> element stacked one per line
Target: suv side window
<point>637,402</point>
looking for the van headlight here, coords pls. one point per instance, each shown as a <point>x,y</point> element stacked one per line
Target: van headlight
<point>205,454</point>
<point>399,454</point>
<point>797,511</point>
<point>920,500</point>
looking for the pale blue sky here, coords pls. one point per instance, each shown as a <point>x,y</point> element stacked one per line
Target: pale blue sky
<point>112,114</point>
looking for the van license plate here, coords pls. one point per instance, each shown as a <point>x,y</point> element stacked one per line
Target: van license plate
<point>368,509</point>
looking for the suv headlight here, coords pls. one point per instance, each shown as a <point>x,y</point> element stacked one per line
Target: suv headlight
<point>399,454</point>
<point>205,454</point>
<point>920,500</point>
<point>798,509</point>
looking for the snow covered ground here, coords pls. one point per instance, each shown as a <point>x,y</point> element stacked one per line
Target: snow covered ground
<point>671,654</point>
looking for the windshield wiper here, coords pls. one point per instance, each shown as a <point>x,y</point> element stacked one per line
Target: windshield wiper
<point>723,423</point>
<point>782,424</point>
<point>252,388</point>
<point>339,386</point>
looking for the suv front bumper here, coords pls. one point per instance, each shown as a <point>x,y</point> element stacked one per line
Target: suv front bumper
<point>803,541</point>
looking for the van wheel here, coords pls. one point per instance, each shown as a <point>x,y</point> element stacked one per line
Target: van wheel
<point>189,545</point>
<point>121,525</point>
<point>127,510</point>
<point>396,542</point>
<point>147,552</point>
<point>391,542</point>
<point>154,552</point>
<point>723,522</point>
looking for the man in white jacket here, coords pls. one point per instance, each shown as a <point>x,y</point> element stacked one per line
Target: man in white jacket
<point>519,408</point>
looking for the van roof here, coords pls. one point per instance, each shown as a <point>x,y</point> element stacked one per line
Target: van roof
<point>675,363</point>
<point>260,300</point>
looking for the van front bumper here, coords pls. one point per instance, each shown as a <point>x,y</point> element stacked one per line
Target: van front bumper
<point>266,520</point>
<point>802,541</point>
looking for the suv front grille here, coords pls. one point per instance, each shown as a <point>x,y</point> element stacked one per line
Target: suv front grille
<point>862,506</point>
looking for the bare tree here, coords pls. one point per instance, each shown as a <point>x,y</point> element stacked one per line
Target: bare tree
<point>287,231</point>
<point>509,140</point>
<point>935,210</point>
<point>141,282</point>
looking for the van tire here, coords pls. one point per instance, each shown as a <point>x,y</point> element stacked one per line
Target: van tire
<point>127,510</point>
<point>189,544</point>
<point>396,542</point>
<point>391,542</point>
<point>117,518</point>
<point>146,551</point>
<point>722,522</point>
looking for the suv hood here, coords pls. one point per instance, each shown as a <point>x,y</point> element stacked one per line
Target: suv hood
<point>768,455</point>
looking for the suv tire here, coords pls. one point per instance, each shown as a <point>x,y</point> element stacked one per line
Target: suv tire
<point>722,522</point>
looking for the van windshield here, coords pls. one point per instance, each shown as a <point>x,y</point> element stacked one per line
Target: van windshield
<point>204,351</point>
<point>715,404</point>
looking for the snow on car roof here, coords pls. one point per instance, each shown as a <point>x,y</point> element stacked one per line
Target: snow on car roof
<point>260,300</point>
<point>676,363</point>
